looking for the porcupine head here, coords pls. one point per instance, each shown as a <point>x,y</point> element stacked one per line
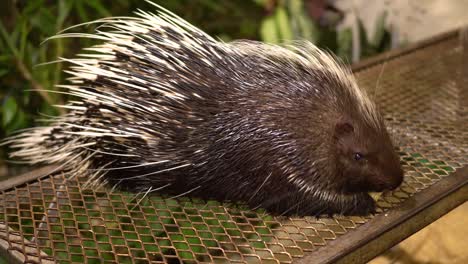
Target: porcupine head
<point>161,107</point>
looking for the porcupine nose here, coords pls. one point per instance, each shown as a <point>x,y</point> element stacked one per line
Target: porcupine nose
<point>396,178</point>
<point>390,180</point>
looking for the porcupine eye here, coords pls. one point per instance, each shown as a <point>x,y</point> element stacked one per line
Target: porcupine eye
<point>358,156</point>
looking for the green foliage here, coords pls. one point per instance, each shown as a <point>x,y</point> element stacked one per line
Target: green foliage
<point>25,25</point>
<point>381,40</point>
<point>289,21</point>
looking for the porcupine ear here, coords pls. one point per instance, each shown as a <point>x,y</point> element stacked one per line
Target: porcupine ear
<point>343,127</point>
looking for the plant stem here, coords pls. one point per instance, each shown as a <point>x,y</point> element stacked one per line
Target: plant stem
<point>35,85</point>
<point>24,70</point>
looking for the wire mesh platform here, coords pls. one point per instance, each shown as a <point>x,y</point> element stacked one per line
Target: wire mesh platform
<point>423,93</point>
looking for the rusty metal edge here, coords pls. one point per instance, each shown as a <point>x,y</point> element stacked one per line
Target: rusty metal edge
<point>388,229</point>
<point>27,177</point>
<point>398,52</point>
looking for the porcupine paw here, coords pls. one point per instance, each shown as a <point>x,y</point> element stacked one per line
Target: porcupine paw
<point>363,205</point>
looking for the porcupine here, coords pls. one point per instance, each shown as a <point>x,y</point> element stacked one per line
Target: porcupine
<point>160,106</point>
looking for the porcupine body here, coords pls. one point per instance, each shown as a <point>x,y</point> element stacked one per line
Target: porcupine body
<point>163,107</point>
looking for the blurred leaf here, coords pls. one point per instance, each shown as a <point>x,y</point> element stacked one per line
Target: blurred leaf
<point>48,110</point>
<point>9,110</point>
<point>328,39</point>
<point>303,27</point>
<point>26,97</point>
<point>385,43</point>
<point>366,47</point>
<point>380,30</point>
<point>32,7</point>
<point>83,15</point>
<point>3,72</point>
<point>295,9</point>
<point>262,3</point>
<point>310,30</point>
<point>97,6</point>
<point>19,121</point>
<point>282,24</point>
<point>214,5</point>
<point>268,30</point>
<point>64,8</point>
<point>4,58</point>
<point>23,42</point>
<point>44,21</point>
<point>345,44</point>
<point>8,39</point>
<point>225,37</point>
<point>363,39</point>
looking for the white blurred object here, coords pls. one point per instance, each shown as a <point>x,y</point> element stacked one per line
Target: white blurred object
<point>407,20</point>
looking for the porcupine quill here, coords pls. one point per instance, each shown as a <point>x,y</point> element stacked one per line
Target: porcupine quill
<point>160,106</point>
